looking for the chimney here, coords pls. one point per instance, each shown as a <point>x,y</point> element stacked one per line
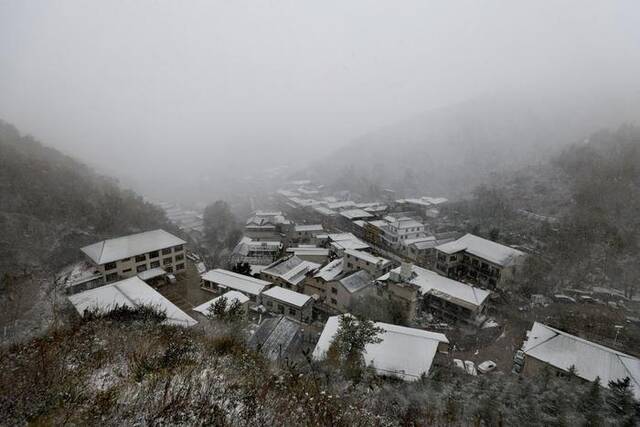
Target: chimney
<point>406,270</point>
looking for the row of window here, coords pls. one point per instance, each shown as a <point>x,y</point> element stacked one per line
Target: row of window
<point>142,258</point>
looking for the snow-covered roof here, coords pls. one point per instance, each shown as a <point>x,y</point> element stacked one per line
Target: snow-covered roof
<point>152,273</point>
<point>432,283</point>
<point>292,269</point>
<point>357,281</point>
<point>231,296</point>
<point>277,337</point>
<point>287,296</point>
<point>308,227</point>
<point>309,251</point>
<point>331,270</point>
<point>483,248</point>
<point>239,282</point>
<point>131,292</point>
<point>355,214</point>
<point>325,211</point>
<point>127,246</point>
<point>366,256</point>
<point>404,352</point>
<point>341,205</point>
<point>591,360</point>
<point>360,223</point>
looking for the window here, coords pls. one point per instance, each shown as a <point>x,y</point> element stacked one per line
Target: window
<point>169,269</point>
<point>141,258</point>
<point>281,308</point>
<point>474,262</point>
<point>141,268</point>
<point>110,266</point>
<point>293,311</point>
<point>452,258</point>
<point>154,254</point>
<point>334,301</point>
<point>180,267</point>
<point>126,270</point>
<point>166,261</point>
<point>334,291</point>
<point>179,257</point>
<point>166,251</point>
<point>269,304</point>
<point>177,248</point>
<point>112,277</point>
<point>125,259</point>
<point>155,264</point>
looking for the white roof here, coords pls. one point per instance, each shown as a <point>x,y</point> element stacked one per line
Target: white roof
<point>288,296</point>
<point>131,292</point>
<point>231,296</point>
<point>355,214</point>
<point>483,248</point>
<point>239,282</point>
<point>591,360</point>
<point>309,227</point>
<point>292,269</point>
<point>127,246</point>
<point>325,211</point>
<point>405,352</point>
<point>331,270</point>
<point>366,256</point>
<point>309,251</point>
<point>357,281</point>
<point>430,282</point>
<point>152,273</point>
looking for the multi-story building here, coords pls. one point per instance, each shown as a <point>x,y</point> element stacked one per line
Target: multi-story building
<point>220,281</point>
<point>128,256</point>
<point>266,225</point>
<point>400,229</point>
<point>305,233</point>
<point>343,291</point>
<point>480,261</point>
<point>446,298</point>
<point>317,284</point>
<point>255,252</point>
<point>355,260</point>
<point>290,303</point>
<point>289,272</point>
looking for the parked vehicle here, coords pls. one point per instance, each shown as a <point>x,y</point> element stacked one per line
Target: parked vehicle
<point>487,366</point>
<point>470,367</point>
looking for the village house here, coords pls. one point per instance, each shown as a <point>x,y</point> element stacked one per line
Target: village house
<point>348,216</point>
<point>279,338</point>
<point>480,261</point>
<point>221,281</point>
<point>232,297</point>
<point>310,253</point>
<point>399,229</point>
<point>443,297</point>
<point>289,272</point>
<point>267,225</point>
<point>405,353</point>
<point>317,284</point>
<point>305,233</point>
<point>255,252</point>
<point>289,303</point>
<point>426,207</point>
<point>422,250</point>
<point>374,230</point>
<point>339,242</point>
<point>359,260</point>
<point>128,256</point>
<point>133,293</point>
<point>547,347</point>
<point>343,291</point>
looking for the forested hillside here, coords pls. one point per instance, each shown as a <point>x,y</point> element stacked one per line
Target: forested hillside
<point>51,205</point>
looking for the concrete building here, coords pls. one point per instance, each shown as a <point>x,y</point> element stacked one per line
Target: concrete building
<point>443,297</point>
<point>343,291</point>
<point>359,260</point>
<point>317,284</point>
<point>289,303</point>
<point>220,281</point>
<point>310,253</point>
<point>289,272</point>
<point>132,293</point>
<point>305,233</point>
<point>256,252</point>
<point>128,256</point>
<point>480,261</point>
<point>267,225</point>
<point>559,351</point>
<point>279,339</point>
<point>231,297</point>
<point>405,353</point>
<point>399,229</point>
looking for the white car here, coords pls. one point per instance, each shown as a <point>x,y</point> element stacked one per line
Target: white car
<point>457,363</point>
<point>486,366</point>
<point>470,368</point>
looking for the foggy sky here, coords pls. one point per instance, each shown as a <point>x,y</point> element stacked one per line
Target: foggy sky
<point>135,87</point>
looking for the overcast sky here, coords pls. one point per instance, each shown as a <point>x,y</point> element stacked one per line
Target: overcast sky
<point>133,84</point>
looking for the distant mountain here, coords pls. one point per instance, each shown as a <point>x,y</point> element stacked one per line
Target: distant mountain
<point>448,151</point>
<point>51,205</point>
